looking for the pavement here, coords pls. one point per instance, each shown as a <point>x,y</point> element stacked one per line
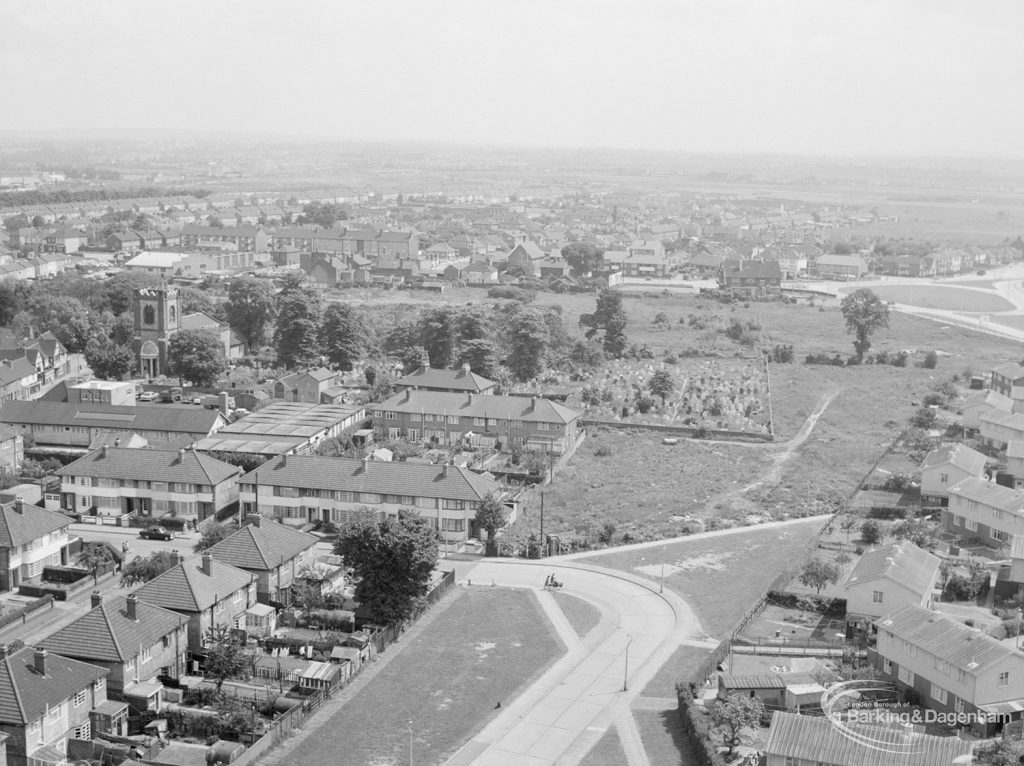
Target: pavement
<point>593,686</point>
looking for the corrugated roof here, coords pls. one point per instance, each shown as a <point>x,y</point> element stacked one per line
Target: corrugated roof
<point>816,739</point>
<point>25,694</point>
<point>434,378</point>
<point>17,529</point>
<point>187,466</point>
<point>959,455</point>
<point>903,562</point>
<point>262,547</point>
<point>533,409</point>
<point>373,476</point>
<point>963,647</point>
<point>107,634</point>
<point>187,588</point>
<point>989,493</point>
<point>756,681</point>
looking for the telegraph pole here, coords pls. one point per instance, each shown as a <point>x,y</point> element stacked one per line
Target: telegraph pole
<point>542,522</point>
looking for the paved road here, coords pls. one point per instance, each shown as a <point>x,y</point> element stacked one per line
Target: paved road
<point>563,715</point>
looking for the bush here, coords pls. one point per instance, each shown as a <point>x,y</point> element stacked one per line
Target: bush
<point>887,512</point>
<point>871,532</point>
<point>603,451</point>
<point>514,293</point>
<point>934,398</point>
<point>697,726</point>
<point>931,360</point>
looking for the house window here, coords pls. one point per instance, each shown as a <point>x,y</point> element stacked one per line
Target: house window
<point>391,415</point>
<point>887,666</point>
<point>906,676</point>
<point>415,417</point>
<point>378,413</point>
<point>1004,679</point>
<point>876,597</point>
<point>938,694</point>
<point>414,434</point>
<point>943,478</point>
<point>394,433</point>
<point>958,521</point>
<point>453,525</point>
<point>971,525</point>
<point>543,427</point>
<point>478,421</point>
<point>80,698</point>
<point>101,684</point>
<point>908,648</point>
<point>454,505</point>
<point>56,711</point>
<point>147,654</point>
<point>426,502</point>
<point>958,705</point>
<point>997,535</point>
<point>453,420</point>
<point>83,732</point>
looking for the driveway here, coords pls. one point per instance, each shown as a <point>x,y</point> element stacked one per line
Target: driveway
<point>563,715</point>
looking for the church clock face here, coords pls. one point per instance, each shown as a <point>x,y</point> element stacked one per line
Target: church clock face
<point>149,314</point>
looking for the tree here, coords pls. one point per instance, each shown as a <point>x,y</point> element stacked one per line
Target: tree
<point>490,516</point>
<point>67,318</point>
<point>917,531</point>
<point>818,573</point>
<point>393,559</point>
<point>729,717</point>
<point>871,532</point>
<point>251,308</point>
<point>609,317</point>
<point>196,356</point>
<point>848,524</point>
<point>94,556</point>
<point>438,328</point>
<point>527,338</point>
<point>583,257</point>
<point>108,360</point>
<point>345,335</point>
<point>211,532</point>
<point>143,569</point>
<point>226,656</point>
<point>482,356</point>
<point>661,384</point>
<point>297,334</point>
<point>864,313</point>
<point>1003,752</point>
<point>924,417</point>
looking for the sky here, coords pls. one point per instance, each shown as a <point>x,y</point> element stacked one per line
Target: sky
<point>819,77</point>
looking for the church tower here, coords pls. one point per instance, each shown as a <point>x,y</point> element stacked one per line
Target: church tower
<point>156,320</point>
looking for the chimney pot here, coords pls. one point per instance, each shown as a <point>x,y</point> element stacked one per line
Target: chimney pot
<point>39,661</point>
<point>175,557</point>
<point>132,607</point>
<point>208,565</point>
<point>95,599</point>
<point>117,442</point>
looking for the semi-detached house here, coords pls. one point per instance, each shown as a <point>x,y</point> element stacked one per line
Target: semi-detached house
<point>984,510</point>
<point>30,538</point>
<point>943,467</point>
<point>150,482</point>
<point>299,489</point>
<point>492,422</point>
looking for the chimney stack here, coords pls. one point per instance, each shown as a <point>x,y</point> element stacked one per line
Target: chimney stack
<point>39,661</point>
<point>117,442</point>
<point>408,394</point>
<point>106,450</point>
<point>533,403</point>
<point>95,599</point>
<point>181,455</point>
<point>175,557</point>
<point>222,402</point>
<point>208,565</point>
<point>444,470</point>
<point>132,607</point>
<point>470,397</point>
<point>253,519</point>
<point>19,505</point>
<point>465,371</point>
<point>5,651</point>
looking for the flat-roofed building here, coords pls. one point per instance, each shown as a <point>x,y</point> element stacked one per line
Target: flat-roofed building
<point>284,428</point>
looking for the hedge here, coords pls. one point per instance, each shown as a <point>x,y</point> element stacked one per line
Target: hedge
<point>19,614</point>
<point>697,729</point>
<point>826,605</point>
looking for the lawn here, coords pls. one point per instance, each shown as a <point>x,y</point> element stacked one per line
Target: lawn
<point>607,752</point>
<point>582,615</point>
<point>1015,321</point>
<point>680,667</point>
<point>490,644</point>
<point>662,734</point>
<point>719,576</point>
<point>943,297</point>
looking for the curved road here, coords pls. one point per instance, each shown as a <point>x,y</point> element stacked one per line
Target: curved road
<point>561,717</point>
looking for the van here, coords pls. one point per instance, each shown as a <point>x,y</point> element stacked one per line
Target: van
<point>171,395</point>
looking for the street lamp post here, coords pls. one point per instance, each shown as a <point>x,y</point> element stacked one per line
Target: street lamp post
<point>410,743</point>
<point>661,584</point>
<point>1020,612</point>
<point>625,675</point>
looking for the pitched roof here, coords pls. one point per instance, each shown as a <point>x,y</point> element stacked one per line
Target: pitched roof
<point>433,377</point>
<point>12,370</point>
<point>948,639</point>
<point>1012,420</point>
<point>529,249</point>
<point>187,588</point>
<point>262,546</point>
<point>903,562</point>
<point>107,634</point>
<point>199,321</point>
<point>533,409</point>
<point>816,739</point>
<point>752,269</point>
<point>1011,370</point>
<point>186,466</point>
<point>25,694</point>
<point>988,493</point>
<point>17,529</point>
<point>373,476</point>
<point>989,397</point>
<point>166,417</point>
<point>959,455</point>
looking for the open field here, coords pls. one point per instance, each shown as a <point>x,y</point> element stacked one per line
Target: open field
<point>943,297</point>
<point>490,644</point>
<point>1013,320</point>
<point>719,576</point>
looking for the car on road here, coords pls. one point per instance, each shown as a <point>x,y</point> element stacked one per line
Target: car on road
<point>197,400</point>
<point>148,396</point>
<point>155,533</point>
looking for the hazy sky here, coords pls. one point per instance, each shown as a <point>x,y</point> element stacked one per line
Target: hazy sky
<point>796,76</point>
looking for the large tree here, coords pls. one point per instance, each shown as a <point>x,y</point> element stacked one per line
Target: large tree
<point>583,257</point>
<point>143,569</point>
<point>490,517</point>
<point>393,560</point>
<point>528,338</point>
<point>610,318</point>
<point>226,656</point>
<point>864,313</point>
<point>211,532</point>
<point>438,335</point>
<point>251,308</point>
<point>67,318</point>
<point>482,356</point>
<point>109,360</point>
<point>818,573</point>
<point>345,335</point>
<point>662,384</point>
<point>297,334</point>
<point>94,556</point>
<point>196,356</point>
<point>731,716</point>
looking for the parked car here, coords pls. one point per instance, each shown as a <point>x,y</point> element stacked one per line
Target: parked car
<point>197,400</point>
<point>155,533</point>
<point>148,396</point>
